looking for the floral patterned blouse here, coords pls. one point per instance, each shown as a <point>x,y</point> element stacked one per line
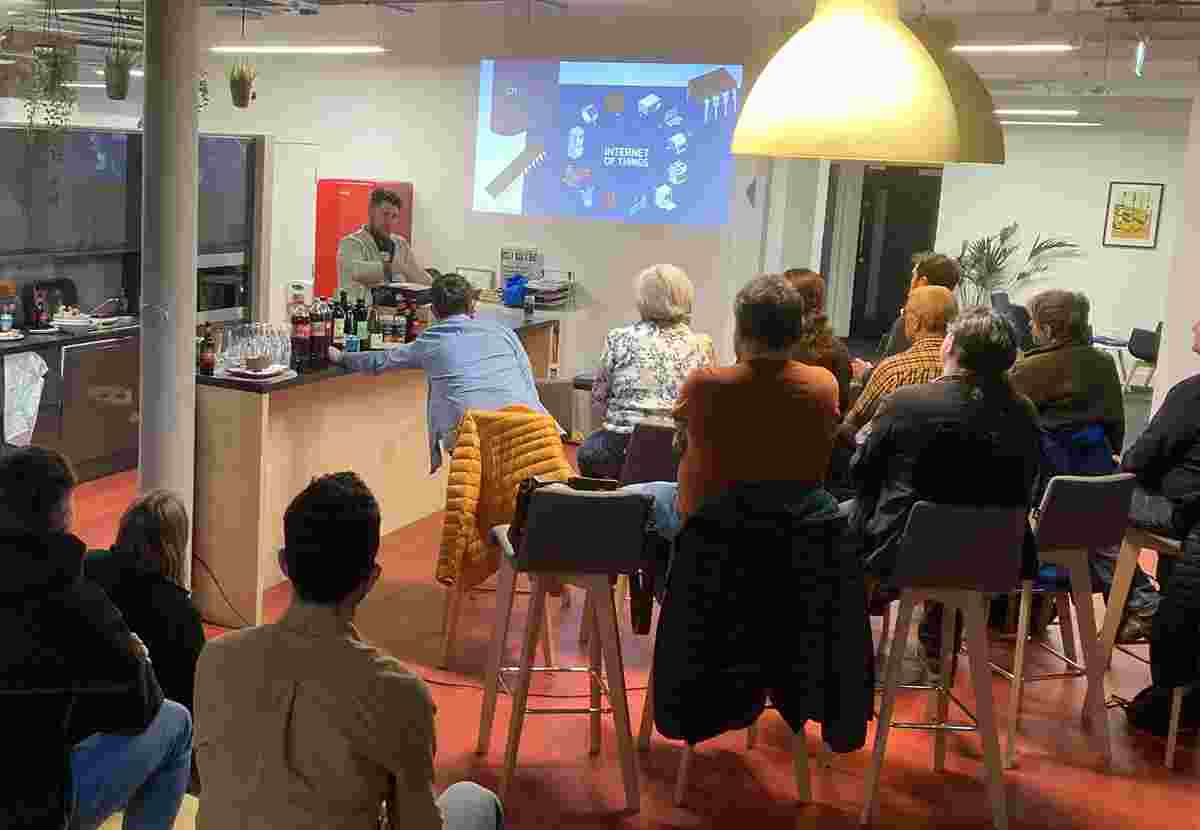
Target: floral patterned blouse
<point>643,368</point>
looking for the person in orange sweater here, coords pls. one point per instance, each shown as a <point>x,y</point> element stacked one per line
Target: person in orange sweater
<point>719,411</point>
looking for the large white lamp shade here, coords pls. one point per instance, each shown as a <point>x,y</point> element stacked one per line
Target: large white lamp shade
<point>853,84</point>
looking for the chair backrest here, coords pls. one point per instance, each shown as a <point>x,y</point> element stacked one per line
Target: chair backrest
<point>584,531</point>
<point>1085,511</point>
<point>650,455</point>
<point>1143,344</point>
<point>960,546</point>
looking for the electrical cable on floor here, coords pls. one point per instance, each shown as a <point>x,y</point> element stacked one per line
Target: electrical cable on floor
<point>449,684</point>
<point>221,591</point>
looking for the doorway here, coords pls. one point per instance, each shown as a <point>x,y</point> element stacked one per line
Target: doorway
<point>898,219</point>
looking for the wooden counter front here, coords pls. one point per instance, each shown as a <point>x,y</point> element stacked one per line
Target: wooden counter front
<point>256,450</point>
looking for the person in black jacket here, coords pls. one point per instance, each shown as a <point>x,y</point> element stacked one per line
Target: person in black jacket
<point>1166,461</point>
<point>83,708</point>
<point>966,438</point>
<point>143,576</point>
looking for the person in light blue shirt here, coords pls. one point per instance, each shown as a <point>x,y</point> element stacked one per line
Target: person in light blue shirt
<point>470,364</point>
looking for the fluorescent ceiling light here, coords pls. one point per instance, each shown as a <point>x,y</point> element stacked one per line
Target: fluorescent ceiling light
<point>6,61</point>
<point>1043,113</point>
<point>1014,48</point>
<point>1052,123</point>
<point>137,73</point>
<point>260,49</point>
<point>77,85</point>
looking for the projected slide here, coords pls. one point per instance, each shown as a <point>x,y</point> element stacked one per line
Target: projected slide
<point>628,142</point>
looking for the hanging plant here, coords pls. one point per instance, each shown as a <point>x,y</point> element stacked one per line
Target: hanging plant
<point>241,84</point>
<point>122,55</point>
<point>203,96</point>
<point>49,102</point>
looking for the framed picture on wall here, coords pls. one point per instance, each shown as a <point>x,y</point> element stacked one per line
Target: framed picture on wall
<point>1134,214</point>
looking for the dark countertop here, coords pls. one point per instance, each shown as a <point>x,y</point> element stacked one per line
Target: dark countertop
<point>302,379</point>
<point>37,342</point>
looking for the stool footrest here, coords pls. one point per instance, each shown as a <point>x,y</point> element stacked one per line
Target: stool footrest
<point>937,727</point>
<point>595,675</point>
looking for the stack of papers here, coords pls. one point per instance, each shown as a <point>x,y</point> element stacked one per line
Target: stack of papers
<point>550,292</point>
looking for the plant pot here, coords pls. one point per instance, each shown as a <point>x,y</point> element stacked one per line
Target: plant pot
<point>116,81</point>
<point>242,90</point>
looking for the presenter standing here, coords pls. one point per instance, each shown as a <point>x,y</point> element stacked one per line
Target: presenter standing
<point>373,255</point>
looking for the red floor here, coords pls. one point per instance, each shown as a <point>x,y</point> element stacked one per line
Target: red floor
<point>1058,781</point>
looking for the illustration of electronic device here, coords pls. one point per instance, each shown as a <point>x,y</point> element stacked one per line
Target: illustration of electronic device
<point>678,143</point>
<point>639,204</point>
<point>672,119</point>
<point>677,173</point>
<point>590,114</point>
<point>532,156</point>
<point>588,195</point>
<point>649,105</point>
<point>662,197</point>
<point>575,143</point>
<point>575,177</point>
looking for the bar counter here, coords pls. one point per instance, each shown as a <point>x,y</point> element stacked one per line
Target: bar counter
<point>258,445</point>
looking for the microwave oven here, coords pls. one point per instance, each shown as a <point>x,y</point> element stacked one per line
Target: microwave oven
<point>222,288</point>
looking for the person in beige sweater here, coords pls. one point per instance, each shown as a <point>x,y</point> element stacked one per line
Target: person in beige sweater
<point>373,255</point>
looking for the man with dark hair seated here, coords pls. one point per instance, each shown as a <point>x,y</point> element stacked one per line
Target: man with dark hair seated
<point>471,364</point>
<point>89,730</point>
<point>718,408</point>
<point>969,420</point>
<point>303,725</point>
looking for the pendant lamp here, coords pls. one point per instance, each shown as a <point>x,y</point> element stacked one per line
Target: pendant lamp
<point>853,84</point>
<point>981,138</point>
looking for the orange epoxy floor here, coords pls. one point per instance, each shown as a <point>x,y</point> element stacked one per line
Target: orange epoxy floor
<point>1057,783</point>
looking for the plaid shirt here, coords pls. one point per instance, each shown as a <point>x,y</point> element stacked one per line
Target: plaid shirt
<point>922,363</point>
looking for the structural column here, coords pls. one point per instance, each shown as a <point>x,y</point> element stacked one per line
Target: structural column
<point>168,296</point>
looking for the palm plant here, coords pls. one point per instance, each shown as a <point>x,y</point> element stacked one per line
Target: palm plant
<point>985,263</point>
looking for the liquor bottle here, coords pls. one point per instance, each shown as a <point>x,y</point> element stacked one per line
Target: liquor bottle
<point>338,313</point>
<point>301,333</point>
<point>360,320</point>
<point>375,329</point>
<point>208,352</point>
<point>320,338</point>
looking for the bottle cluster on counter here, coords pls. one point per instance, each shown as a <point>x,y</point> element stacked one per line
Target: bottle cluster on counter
<point>350,326</point>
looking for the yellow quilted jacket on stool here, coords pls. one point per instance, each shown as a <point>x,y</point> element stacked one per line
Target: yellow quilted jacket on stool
<point>495,452</point>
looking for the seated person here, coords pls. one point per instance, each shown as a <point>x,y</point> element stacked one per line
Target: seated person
<point>301,724</point>
<point>143,576</point>
<point>722,412</point>
<point>1081,409</point>
<point>1166,461</point>
<point>643,367</point>
<point>471,364</point>
<point>965,438</point>
<point>819,346</point>
<point>107,741</point>
<point>926,314</point>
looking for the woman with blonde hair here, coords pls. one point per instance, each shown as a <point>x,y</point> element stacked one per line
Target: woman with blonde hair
<point>143,576</point>
<point>643,367</point>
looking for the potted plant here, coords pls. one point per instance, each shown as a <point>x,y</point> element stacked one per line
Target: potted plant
<point>985,263</point>
<point>122,56</point>
<point>49,102</point>
<point>241,84</point>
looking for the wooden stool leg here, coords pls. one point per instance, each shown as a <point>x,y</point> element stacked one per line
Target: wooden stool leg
<point>647,726</point>
<point>585,629</point>
<point>1018,683</point>
<point>537,615</point>
<point>981,674</point>
<point>454,600</point>
<point>681,777</point>
<point>884,630</point>
<point>1173,728</point>
<point>610,638</point>
<point>550,633</point>
<point>825,756</point>
<point>505,592</point>
<point>800,767</point>
<point>594,664</point>
<point>752,735</point>
<point>1118,595</point>
<point>1093,702</point>
<point>1066,626</point>
<point>884,721</point>
<point>942,695</point>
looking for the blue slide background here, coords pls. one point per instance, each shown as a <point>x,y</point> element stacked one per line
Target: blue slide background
<point>555,187</point>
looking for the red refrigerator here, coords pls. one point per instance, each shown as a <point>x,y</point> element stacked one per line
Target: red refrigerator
<point>342,209</point>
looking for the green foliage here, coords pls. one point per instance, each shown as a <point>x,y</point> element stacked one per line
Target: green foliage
<point>986,261</point>
<point>49,102</point>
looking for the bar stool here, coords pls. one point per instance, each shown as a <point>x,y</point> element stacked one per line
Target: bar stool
<point>1136,540</point>
<point>580,537</point>
<point>954,555</point>
<point>1078,514</point>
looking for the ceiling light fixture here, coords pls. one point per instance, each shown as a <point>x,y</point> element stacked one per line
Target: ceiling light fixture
<point>854,83</point>
<point>1052,123</point>
<point>1043,113</point>
<point>263,49</point>
<point>1014,48</point>
<point>136,73</point>
<point>82,85</point>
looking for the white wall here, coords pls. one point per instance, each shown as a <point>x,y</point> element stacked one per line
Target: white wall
<point>411,115</point>
<point>1056,183</point>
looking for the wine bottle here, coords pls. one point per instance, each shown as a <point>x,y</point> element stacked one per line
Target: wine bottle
<point>319,347</point>
<point>360,320</point>
<point>301,333</point>
<point>338,315</point>
<point>375,329</point>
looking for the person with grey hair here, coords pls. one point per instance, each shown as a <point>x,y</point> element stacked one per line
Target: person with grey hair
<point>643,367</point>
<point>1077,391</point>
<point>925,437</point>
<point>720,413</point>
